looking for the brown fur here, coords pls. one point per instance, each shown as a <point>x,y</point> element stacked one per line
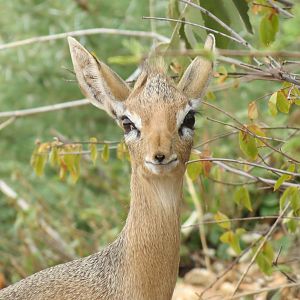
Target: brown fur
<point>142,263</point>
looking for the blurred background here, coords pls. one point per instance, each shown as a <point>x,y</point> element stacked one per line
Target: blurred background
<point>45,220</point>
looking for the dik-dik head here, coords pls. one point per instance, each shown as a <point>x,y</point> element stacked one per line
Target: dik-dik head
<point>157,116</point>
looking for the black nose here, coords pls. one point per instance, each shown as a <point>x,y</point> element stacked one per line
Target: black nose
<point>159,157</point>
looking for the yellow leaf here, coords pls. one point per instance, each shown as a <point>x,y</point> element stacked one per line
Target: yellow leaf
<point>93,149</point>
<point>222,220</point>
<point>252,110</point>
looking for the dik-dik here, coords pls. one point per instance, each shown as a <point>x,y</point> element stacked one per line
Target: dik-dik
<point>158,119</point>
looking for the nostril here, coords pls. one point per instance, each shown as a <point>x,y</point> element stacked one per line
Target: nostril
<point>159,157</point>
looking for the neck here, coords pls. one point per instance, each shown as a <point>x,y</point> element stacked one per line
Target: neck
<point>152,234</point>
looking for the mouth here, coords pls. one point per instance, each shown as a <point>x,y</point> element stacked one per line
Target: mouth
<point>158,168</point>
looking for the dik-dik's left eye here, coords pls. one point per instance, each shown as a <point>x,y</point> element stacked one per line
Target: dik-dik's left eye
<point>127,124</point>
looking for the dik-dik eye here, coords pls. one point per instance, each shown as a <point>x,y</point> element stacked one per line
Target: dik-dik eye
<point>189,120</point>
<point>188,123</point>
<point>127,124</point>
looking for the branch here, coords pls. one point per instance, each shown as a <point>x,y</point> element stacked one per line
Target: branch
<point>225,26</point>
<point>196,25</point>
<point>239,220</point>
<point>46,38</point>
<point>7,122</point>
<point>265,239</point>
<point>199,211</point>
<point>43,109</point>
<point>263,290</point>
<point>59,244</point>
<point>245,174</point>
<point>244,163</point>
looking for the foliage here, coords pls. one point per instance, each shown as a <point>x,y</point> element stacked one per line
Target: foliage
<point>90,215</point>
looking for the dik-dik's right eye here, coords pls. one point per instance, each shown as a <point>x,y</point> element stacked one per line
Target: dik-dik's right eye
<point>127,124</point>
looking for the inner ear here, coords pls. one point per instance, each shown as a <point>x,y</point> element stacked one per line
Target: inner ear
<point>100,84</point>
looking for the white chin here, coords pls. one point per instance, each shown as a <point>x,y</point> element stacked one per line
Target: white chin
<point>161,168</point>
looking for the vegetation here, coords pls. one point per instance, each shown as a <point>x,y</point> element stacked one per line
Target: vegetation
<point>64,174</point>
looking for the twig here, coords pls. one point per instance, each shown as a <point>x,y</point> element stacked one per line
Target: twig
<point>91,31</point>
<point>7,122</point>
<point>280,9</point>
<point>59,244</point>
<point>262,139</point>
<point>244,163</point>
<point>199,211</point>
<point>245,174</point>
<point>263,290</point>
<point>218,137</point>
<point>193,24</point>
<point>246,219</point>
<point>265,239</point>
<point>225,26</point>
<point>230,267</point>
<point>43,109</point>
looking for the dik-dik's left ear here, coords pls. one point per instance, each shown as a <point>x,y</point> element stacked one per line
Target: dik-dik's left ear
<point>196,77</point>
<point>101,85</point>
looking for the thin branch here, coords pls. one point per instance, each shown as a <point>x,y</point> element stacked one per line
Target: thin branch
<point>263,290</point>
<point>43,109</point>
<point>280,9</point>
<point>265,239</point>
<point>244,163</point>
<point>193,24</point>
<point>218,137</point>
<point>58,242</point>
<point>246,219</point>
<point>262,139</point>
<point>200,214</point>
<point>7,122</point>
<point>225,26</point>
<point>261,179</point>
<point>91,31</point>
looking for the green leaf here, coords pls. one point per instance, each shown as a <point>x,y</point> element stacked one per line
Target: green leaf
<point>229,237</point>
<point>265,259</point>
<point>241,197</point>
<point>295,202</point>
<point>284,177</point>
<point>219,9</point>
<point>292,148</point>
<point>283,103</point>
<point>290,194</point>
<point>93,149</point>
<point>223,219</point>
<point>248,145</point>
<point>272,104</point>
<point>268,28</point>
<point>194,169</point>
<point>105,153</point>
<point>242,7</point>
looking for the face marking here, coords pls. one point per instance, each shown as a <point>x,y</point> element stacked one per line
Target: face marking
<point>181,114</point>
<point>195,103</point>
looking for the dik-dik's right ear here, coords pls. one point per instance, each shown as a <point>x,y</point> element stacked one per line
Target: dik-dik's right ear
<point>197,76</point>
<point>101,85</point>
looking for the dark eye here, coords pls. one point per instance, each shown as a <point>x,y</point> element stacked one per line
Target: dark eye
<point>189,120</point>
<point>127,124</point>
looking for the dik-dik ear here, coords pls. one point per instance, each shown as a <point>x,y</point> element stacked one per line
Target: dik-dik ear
<point>101,85</point>
<point>196,77</point>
